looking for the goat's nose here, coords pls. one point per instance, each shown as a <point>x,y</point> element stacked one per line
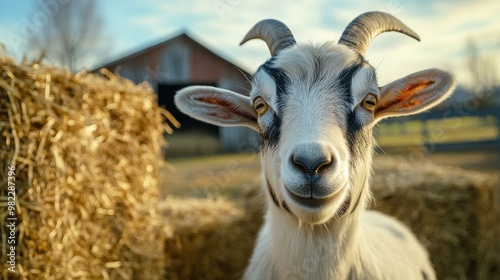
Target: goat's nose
<point>312,164</point>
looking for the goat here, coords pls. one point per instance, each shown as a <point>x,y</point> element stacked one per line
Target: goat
<point>315,107</point>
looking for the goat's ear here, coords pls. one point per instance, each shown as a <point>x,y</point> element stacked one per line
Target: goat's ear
<point>217,106</point>
<point>414,93</point>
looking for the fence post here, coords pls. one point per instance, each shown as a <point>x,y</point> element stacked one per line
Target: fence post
<point>425,132</point>
<point>497,122</point>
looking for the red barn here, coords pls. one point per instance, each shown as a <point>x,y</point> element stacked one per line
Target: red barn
<point>182,61</point>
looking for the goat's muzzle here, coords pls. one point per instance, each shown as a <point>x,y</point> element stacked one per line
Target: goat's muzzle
<point>312,165</point>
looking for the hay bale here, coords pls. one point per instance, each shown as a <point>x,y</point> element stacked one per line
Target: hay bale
<point>207,238</point>
<point>86,149</point>
<point>453,212</point>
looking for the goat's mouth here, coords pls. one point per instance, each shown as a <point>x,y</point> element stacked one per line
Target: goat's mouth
<point>311,202</point>
<point>318,210</point>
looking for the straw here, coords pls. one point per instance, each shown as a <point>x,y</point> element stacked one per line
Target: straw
<point>86,148</point>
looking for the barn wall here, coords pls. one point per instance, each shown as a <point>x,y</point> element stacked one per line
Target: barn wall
<point>183,61</point>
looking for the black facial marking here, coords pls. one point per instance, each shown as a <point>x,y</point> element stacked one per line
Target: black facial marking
<point>269,63</point>
<point>357,200</point>
<point>344,84</point>
<point>424,275</point>
<point>343,209</point>
<point>358,137</point>
<point>271,192</point>
<point>271,135</point>
<point>274,199</point>
<point>287,209</point>
<point>280,78</point>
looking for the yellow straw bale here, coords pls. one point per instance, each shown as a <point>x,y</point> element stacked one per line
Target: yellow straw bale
<point>86,149</point>
<point>454,213</point>
<point>207,238</point>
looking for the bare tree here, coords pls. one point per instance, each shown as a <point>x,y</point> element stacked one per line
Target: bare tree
<point>72,34</point>
<point>483,72</point>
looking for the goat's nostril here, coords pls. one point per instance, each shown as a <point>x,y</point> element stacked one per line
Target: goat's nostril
<point>297,161</point>
<point>312,166</point>
<point>324,165</point>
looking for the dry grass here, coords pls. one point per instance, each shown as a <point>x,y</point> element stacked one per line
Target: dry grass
<point>207,238</point>
<point>221,175</point>
<point>86,150</point>
<point>454,213</point>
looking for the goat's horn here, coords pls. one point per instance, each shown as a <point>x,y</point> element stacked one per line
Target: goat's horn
<point>360,32</point>
<point>275,33</point>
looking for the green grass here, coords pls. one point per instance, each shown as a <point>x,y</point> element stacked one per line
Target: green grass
<point>192,142</point>
<point>451,130</point>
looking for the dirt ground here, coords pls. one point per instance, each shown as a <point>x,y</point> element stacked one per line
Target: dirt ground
<point>228,175</point>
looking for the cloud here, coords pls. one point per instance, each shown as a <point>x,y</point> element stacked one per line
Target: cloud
<point>444,27</point>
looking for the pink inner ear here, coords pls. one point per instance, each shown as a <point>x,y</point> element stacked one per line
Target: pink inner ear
<point>412,90</point>
<point>220,115</point>
<point>212,100</point>
<point>406,97</point>
<point>226,108</point>
<point>418,86</point>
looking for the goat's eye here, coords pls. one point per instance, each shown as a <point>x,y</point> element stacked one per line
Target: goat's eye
<point>369,102</point>
<point>260,105</point>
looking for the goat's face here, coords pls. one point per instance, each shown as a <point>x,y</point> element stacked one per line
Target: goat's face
<point>315,104</point>
<point>314,107</point>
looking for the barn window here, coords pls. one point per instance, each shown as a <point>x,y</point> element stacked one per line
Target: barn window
<point>174,64</point>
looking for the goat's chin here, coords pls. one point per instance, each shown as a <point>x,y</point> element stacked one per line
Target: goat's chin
<point>320,215</point>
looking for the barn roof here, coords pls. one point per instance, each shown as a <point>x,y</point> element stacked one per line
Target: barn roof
<point>144,50</point>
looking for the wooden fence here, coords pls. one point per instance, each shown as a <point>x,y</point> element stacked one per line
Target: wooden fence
<point>455,128</point>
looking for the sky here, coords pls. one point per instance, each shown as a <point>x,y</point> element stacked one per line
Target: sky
<point>444,27</point>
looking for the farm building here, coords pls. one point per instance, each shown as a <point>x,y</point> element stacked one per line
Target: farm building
<point>179,62</point>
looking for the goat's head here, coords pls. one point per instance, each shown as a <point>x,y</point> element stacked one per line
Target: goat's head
<point>314,107</point>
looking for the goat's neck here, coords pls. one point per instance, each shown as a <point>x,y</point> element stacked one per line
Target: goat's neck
<point>323,251</point>
<point>313,252</point>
